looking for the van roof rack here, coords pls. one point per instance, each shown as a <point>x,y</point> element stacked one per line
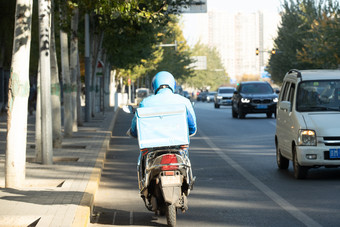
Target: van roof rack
<point>296,71</point>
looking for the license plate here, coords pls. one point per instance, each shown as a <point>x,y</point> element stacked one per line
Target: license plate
<point>261,106</point>
<point>170,181</point>
<point>334,153</point>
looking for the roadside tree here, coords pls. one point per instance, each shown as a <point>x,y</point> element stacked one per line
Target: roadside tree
<point>321,49</point>
<point>214,75</point>
<point>307,37</point>
<point>18,97</point>
<point>45,80</point>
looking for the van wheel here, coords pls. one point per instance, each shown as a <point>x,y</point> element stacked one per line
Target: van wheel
<point>282,162</point>
<point>300,172</point>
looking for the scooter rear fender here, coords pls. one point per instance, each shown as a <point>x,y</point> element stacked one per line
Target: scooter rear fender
<point>171,188</point>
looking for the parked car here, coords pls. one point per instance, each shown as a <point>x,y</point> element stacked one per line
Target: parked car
<point>307,124</point>
<point>223,96</point>
<point>186,94</point>
<point>211,96</point>
<point>142,93</point>
<point>202,96</point>
<point>254,97</point>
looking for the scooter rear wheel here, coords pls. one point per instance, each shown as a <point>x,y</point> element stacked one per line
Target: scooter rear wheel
<point>171,215</point>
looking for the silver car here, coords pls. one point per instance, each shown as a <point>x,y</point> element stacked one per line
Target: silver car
<point>223,96</point>
<point>211,96</point>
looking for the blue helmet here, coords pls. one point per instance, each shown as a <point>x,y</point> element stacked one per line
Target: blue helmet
<point>163,78</point>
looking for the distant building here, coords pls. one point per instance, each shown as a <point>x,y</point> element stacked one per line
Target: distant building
<point>236,36</point>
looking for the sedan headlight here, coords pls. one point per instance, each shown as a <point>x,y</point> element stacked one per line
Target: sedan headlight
<point>275,99</point>
<point>219,97</point>
<point>245,100</point>
<point>307,138</point>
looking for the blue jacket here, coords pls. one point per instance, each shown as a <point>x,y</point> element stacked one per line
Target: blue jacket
<point>166,97</point>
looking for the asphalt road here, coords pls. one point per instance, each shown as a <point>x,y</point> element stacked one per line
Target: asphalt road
<point>238,182</point>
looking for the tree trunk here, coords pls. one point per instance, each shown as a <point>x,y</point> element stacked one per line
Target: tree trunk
<point>79,94</point>
<point>97,46</point>
<point>18,92</point>
<point>74,67</point>
<point>87,69</point>
<point>38,144</point>
<point>107,83</point>
<point>55,91</point>
<point>45,80</point>
<point>68,122</point>
<point>113,89</point>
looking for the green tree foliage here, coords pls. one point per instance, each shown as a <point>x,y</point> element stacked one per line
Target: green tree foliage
<point>321,48</point>
<point>289,40</point>
<point>214,76</point>
<point>144,71</point>
<point>131,29</point>
<point>307,38</point>
<point>34,54</point>
<point>7,31</point>
<point>126,44</point>
<point>174,59</point>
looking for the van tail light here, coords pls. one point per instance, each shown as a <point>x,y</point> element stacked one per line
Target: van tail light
<point>169,159</point>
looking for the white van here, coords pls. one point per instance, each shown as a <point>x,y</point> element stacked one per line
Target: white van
<point>308,121</point>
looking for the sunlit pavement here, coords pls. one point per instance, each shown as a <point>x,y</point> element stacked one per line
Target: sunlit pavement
<point>60,194</point>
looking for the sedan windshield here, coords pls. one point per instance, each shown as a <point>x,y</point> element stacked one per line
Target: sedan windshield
<point>318,96</point>
<point>257,88</point>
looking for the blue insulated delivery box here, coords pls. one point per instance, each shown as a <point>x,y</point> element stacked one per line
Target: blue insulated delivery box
<point>162,126</point>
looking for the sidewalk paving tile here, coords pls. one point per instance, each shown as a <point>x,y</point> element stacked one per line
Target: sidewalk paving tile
<point>61,194</point>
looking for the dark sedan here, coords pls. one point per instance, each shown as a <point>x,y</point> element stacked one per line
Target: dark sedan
<point>254,97</point>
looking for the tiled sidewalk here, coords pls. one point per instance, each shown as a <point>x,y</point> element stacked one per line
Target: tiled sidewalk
<point>60,194</point>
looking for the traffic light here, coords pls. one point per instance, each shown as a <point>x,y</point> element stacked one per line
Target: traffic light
<point>257,51</point>
<point>273,51</point>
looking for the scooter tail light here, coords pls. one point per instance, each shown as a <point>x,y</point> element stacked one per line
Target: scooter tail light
<point>169,159</point>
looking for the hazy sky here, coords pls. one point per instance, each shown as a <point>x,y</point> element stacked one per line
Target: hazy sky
<point>244,5</point>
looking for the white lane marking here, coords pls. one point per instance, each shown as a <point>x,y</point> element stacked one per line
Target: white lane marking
<point>295,212</point>
<point>273,123</point>
<point>114,217</point>
<point>131,218</point>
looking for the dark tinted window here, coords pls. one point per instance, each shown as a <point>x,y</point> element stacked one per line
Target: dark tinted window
<point>226,90</point>
<point>291,94</point>
<point>142,94</point>
<point>283,96</point>
<point>318,96</point>
<point>257,88</point>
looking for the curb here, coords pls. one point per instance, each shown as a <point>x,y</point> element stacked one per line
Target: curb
<point>85,208</point>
